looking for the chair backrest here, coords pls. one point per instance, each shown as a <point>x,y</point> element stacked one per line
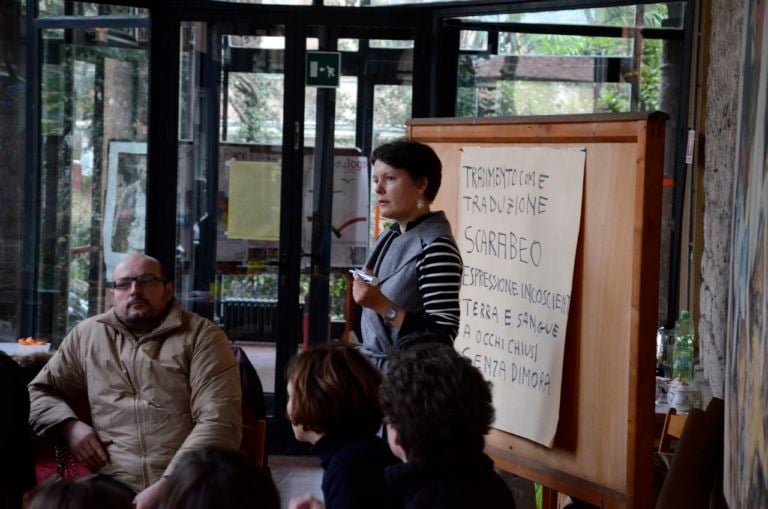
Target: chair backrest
<point>694,478</point>
<point>254,442</point>
<point>673,429</point>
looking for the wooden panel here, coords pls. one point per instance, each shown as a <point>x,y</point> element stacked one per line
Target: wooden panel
<point>604,442</point>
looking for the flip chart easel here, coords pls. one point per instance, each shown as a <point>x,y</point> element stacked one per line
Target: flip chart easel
<point>603,448</point>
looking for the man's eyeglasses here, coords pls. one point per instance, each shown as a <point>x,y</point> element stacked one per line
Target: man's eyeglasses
<point>143,281</point>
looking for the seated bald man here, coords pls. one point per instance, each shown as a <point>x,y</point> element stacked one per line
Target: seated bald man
<point>160,381</point>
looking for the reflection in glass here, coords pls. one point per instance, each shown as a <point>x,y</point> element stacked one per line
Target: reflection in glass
<point>92,93</point>
<point>254,108</point>
<point>68,8</point>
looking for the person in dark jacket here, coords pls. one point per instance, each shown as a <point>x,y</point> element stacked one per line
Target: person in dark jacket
<point>438,409</point>
<point>17,472</point>
<point>333,404</point>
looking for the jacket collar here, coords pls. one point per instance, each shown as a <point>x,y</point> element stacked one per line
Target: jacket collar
<point>172,321</point>
<point>330,444</point>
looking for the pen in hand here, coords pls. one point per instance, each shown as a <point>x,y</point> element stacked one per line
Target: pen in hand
<point>371,280</point>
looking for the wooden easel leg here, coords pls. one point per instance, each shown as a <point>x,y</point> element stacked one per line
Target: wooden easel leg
<point>548,498</point>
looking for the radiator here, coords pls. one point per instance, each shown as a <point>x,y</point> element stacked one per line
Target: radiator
<point>250,319</point>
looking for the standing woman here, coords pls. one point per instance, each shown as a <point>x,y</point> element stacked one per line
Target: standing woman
<point>416,260</point>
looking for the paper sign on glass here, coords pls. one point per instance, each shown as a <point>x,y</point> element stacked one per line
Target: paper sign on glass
<point>254,200</point>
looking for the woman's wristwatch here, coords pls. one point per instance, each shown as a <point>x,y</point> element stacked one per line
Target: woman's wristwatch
<point>391,313</point>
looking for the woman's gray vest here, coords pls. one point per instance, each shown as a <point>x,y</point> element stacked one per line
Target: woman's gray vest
<point>398,281</point>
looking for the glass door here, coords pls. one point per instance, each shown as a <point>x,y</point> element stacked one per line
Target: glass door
<point>232,202</point>
<point>342,124</point>
<point>273,191</point>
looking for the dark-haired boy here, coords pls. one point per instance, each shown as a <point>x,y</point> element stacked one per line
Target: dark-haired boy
<point>438,409</point>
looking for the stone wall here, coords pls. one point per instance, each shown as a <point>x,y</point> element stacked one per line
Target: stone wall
<point>722,89</point>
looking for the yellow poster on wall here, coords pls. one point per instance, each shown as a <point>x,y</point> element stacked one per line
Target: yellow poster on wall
<point>254,200</point>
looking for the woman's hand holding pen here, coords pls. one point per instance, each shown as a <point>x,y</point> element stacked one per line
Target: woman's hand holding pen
<point>369,296</point>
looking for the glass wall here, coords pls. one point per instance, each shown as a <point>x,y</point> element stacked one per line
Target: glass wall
<point>13,108</point>
<point>93,133</point>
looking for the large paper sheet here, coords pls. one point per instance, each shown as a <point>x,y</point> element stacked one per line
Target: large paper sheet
<point>254,200</point>
<point>518,226</point>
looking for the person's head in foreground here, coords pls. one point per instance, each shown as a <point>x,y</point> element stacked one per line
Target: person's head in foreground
<point>219,478</point>
<point>80,494</point>
<point>332,389</point>
<point>437,406</point>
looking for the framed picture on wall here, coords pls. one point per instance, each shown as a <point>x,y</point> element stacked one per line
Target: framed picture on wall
<point>125,207</point>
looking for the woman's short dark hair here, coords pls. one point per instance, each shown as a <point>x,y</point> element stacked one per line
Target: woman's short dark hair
<point>418,159</point>
<point>439,404</point>
<point>335,389</point>
<point>219,478</point>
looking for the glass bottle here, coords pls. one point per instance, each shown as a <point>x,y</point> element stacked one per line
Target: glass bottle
<point>683,356</point>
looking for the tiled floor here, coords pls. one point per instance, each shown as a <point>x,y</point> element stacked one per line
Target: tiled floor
<point>296,476</point>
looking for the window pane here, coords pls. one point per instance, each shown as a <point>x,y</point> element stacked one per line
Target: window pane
<point>390,43</point>
<point>666,15</point>
<point>473,40</point>
<point>511,43</point>
<point>350,45</point>
<point>94,117</point>
<point>257,42</point>
<point>346,113</point>
<point>254,112</point>
<point>536,74</point>
<point>510,98</point>
<point>391,108</point>
<point>272,2</point>
<point>63,8</point>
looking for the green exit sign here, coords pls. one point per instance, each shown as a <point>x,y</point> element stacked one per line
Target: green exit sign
<point>323,68</point>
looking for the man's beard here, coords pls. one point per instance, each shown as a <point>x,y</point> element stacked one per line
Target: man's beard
<point>143,322</point>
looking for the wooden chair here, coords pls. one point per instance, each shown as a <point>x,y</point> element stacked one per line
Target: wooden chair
<point>254,442</point>
<point>673,429</point>
<point>694,478</point>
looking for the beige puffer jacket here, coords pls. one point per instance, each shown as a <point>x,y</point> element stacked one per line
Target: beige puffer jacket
<point>157,396</point>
